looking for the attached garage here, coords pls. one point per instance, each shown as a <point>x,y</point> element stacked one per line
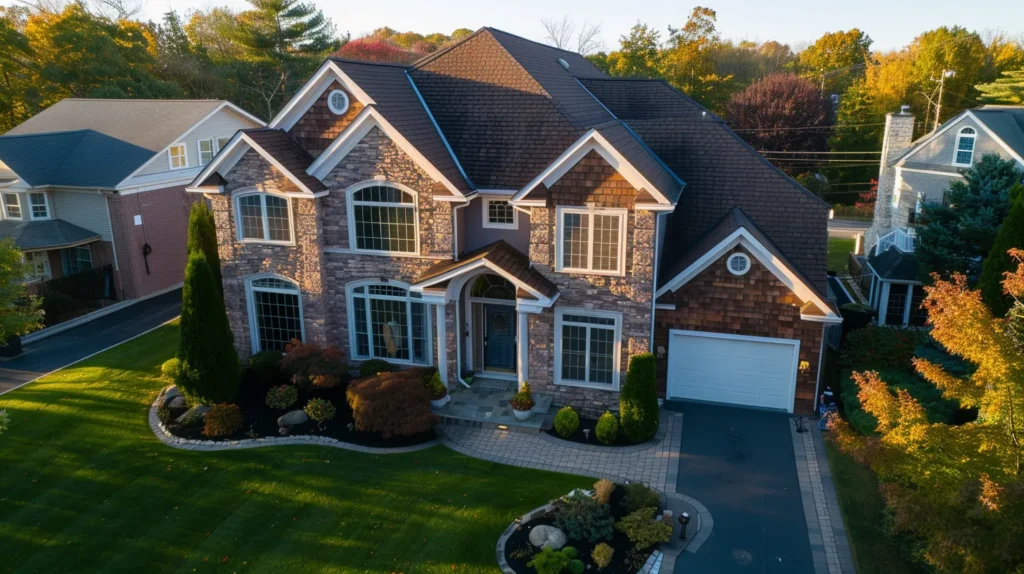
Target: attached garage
<point>732,369</point>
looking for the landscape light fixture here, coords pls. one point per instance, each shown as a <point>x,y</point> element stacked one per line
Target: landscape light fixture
<point>684,519</point>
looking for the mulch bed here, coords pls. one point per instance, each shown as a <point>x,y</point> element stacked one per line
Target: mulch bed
<point>625,558</point>
<point>591,424</point>
<point>260,421</point>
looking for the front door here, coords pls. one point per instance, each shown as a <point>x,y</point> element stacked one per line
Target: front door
<point>499,337</point>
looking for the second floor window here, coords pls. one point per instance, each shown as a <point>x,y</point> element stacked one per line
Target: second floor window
<point>76,259</point>
<point>591,240</point>
<point>12,205</point>
<point>965,147</point>
<point>499,214</point>
<point>206,151</point>
<point>263,217</point>
<point>382,218</point>
<point>40,210</point>
<point>179,156</point>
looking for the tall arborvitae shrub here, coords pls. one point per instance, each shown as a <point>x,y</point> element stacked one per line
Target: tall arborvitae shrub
<point>998,262</point>
<point>638,402</point>
<point>202,236</point>
<point>209,362</point>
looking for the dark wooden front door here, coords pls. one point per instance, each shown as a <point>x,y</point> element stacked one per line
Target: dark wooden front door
<point>499,337</point>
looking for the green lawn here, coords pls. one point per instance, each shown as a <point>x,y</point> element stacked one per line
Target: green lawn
<point>85,486</point>
<point>839,249</point>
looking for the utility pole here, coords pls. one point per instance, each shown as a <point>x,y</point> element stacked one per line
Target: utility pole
<point>938,102</point>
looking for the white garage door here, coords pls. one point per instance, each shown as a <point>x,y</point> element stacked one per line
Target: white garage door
<point>719,368</point>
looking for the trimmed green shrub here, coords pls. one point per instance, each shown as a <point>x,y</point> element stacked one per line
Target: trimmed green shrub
<point>282,397</point>
<point>998,262</point>
<point>320,410</point>
<point>209,362</point>
<point>391,404</point>
<point>602,555</point>
<point>643,530</point>
<point>373,367</point>
<point>310,365</point>
<point>638,496</point>
<point>436,387</point>
<point>171,369</point>
<point>877,347</point>
<point>222,420</point>
<point>575,566</point>
<point>607,429</point>
<point>550,561</point>
<point>638,402</point>
<point>567,422</point>
<point>265,366</point>
<point>583,518</point>
<point>202,236</point>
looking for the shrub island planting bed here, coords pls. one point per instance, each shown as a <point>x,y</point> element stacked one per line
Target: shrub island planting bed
<point>308,391</point>
<point>613,529</point>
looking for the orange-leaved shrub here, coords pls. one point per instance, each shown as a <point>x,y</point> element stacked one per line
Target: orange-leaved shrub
<point>311,365</point>
<point>222,420</point>
<point>392,404</point>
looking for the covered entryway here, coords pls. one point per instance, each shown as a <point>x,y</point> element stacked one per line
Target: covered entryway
<point>491,303</point>
<point>732,369</point>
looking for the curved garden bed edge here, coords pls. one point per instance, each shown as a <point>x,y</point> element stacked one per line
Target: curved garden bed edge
<point>653,443</point>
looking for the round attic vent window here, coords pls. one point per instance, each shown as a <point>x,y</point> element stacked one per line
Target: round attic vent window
<point>337,100</point>
<point>738,264</point>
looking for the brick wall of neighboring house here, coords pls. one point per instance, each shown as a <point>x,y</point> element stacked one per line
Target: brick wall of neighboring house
<point>319,126</point>
<point>755,304</point>
<point>592,180</point>
<point>164,227</point>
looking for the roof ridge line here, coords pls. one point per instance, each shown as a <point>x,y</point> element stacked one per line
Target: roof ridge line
<point>40,134</point>
<point>368,63</point>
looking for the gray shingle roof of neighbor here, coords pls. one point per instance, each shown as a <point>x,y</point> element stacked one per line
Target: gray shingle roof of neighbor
<point>45,234</point>
<point>1007,122</point>
<point>81,158</point>
<point>895,265</point>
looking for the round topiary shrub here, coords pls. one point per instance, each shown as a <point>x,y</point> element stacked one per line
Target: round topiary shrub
<point>320,410</point>
<point>607,429</point>
<point>602,555</point>
<point>638,402</point>
<point>374,366</point>
<point>282,397</point>
<point>567,422</point>
<point>222,420</point>
<point>171,368</point>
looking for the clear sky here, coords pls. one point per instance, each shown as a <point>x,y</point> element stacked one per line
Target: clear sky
<point>891,23</point>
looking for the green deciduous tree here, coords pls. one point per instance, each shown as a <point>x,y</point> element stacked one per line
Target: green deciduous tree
<point>16,69</point>
<point>956,49</point>
<point>639,54</point>
<point>999,262</point>
<point>836,59</point>
<point>209,362</point>
<point>1006,90</point>
<point>202,236</point>
<point>688,62</point>
<point>19,312</point>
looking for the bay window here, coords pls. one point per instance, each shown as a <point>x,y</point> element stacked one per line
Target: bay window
<point>263,218</point>
<point>383,219</point>
<point>587,348</point>
<point>591,240</point>
<point>387,321</point>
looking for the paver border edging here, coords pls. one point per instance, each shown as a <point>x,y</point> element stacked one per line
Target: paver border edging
<point>653,443</point>
<point>172,441</point>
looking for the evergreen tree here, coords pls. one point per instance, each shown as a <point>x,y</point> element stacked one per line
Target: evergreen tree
<point>209,362</point>
<point>999,261</point>
<point>202,236</point>
<point>638,402</point>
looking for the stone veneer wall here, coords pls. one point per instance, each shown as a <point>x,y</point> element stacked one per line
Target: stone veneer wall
<point>755,304</point>
<point>592,180</point>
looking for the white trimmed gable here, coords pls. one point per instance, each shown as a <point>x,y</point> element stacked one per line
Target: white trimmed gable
<point>297,107</point>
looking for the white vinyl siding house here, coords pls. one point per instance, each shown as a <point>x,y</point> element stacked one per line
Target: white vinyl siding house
<point>84,209</point>
<point>221,125</point>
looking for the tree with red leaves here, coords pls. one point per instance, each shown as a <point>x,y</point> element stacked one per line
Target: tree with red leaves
<point>781,112</point>
<point>372,49</point>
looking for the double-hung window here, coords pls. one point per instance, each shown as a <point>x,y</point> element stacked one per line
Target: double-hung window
<point>206,151</point>
<point>76,259</point>
<point>499,214</point>
<point>222,143</point>
<point>382,219</point>
<point>178,155</point>
<point>965,147</point>
<point>386,321</point>
<point>591,240</point>
<point>38,205</point>
<point>263,217</point>
<point>587,347</point>
<point>12,205</point>
<point>275,311</point>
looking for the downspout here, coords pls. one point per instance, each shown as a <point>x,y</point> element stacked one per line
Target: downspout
<point>654,282</point>
<point>458,319</point>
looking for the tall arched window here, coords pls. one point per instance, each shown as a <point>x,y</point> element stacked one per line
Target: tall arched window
<point>382,219</point>
<point>275,312</point>
<point>389,322</point>
<point>965,147</point>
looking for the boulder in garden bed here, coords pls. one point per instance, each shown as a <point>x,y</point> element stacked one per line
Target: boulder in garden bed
<point>292,418</point>
<point>172,394</point>
<point>176,403</point>
<point>548,536</point>
<point>196,411</point>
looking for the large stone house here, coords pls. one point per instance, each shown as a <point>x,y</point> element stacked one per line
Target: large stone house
<point>502,208</point>
<point>913,173</point>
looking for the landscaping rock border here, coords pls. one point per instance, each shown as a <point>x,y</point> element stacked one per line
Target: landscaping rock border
<point>170,440</point>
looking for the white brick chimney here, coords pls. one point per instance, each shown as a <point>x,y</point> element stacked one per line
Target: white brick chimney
<point>899,134</point>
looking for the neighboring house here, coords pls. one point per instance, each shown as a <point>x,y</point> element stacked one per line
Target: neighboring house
<point>89,183</point>
<point>503,208</point>
<point>913,173</point>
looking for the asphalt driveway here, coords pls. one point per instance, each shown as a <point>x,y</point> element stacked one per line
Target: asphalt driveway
<point>740,464</point>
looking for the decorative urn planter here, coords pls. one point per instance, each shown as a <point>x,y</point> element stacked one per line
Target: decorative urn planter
<point>438,403</point>
<point>522,415</point>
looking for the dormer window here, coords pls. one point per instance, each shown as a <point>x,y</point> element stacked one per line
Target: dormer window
<point>337,101</point>
<point>965,148</point>
<point>178,156</point>
<point>12,205</point>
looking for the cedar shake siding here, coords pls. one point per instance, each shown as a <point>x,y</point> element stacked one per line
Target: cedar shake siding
<point>755,304</point>
<point>319,126</point>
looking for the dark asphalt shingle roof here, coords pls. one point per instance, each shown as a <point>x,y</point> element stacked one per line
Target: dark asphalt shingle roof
<point>637,153</point>
<point>1007,122</point>
<point>282,147</point>
<point>895,265</point>
<point>45,234</point>
<point>82,158</point>
<point>502,255</point>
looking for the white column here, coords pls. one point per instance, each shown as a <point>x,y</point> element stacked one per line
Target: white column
<point>883,302</point>
<point>442,343</point>
<point>906,308</point>
<point>523,347</point>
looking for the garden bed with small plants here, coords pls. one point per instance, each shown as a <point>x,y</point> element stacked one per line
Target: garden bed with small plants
<point>613,529</point>
<point>308,391</point>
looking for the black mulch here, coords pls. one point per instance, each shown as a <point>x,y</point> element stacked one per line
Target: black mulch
<point>589,424</point>
<point>260,421</point>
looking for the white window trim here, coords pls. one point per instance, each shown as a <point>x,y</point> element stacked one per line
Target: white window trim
<point>21,208</point>
<point>199,150</point>
<point>266,224</point>
<point>487,217</point>
<point>46,204</point>
<point>617,352</point>
<point>330,105</point>
<point>428,327</point>
<point>170,156</point>
<point>560,213</point>
<point>254,335</point>
<point>218,147</point>
<point>728,264</point>
<point>349,203</point>
<point>956,148</point>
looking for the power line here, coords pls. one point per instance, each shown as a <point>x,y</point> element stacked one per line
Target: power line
<point>820,152</point>
<point>780,129</point>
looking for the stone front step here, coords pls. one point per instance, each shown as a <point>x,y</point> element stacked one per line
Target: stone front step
<point>480,408</point>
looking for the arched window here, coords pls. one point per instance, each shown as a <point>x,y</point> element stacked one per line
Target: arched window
<point>264,218</point>
<point>965,147</point>
<point>275,313</point>
<point>382,219</point>
<point>387,321</point>
<point>489,286</point>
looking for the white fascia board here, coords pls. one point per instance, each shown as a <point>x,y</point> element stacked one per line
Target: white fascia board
<point>590,141</point>
<point>743,237</point>
<point>226,159</point>
<point>311,90</point>
<point>368,119</point>
<point>928,171</point>
<point>832,319</point>
<point>541,299</point>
